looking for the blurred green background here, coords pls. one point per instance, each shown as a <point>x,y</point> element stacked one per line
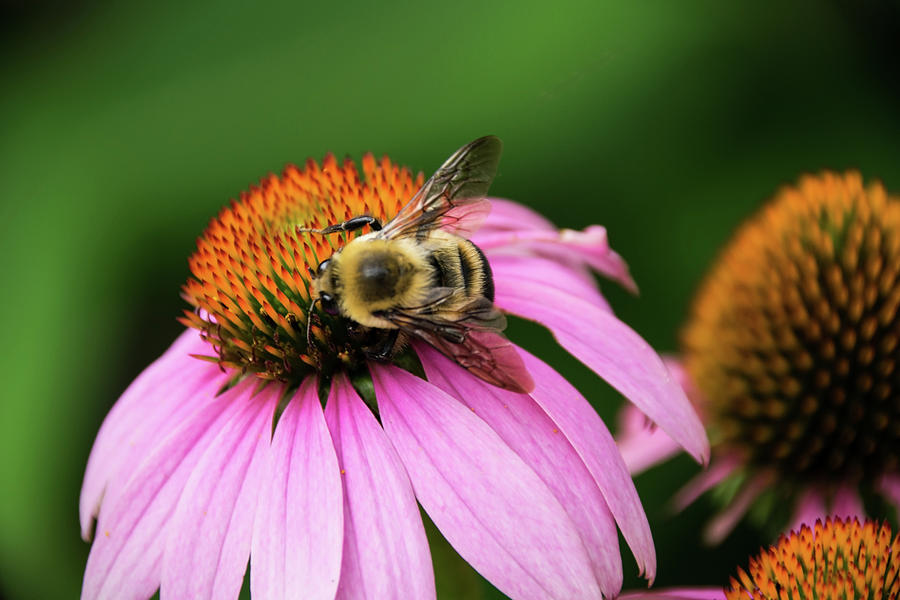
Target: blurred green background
<point>124,127</point>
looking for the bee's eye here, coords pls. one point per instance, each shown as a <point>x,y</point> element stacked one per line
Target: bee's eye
<point>323,266</point>
<point>328,303</point>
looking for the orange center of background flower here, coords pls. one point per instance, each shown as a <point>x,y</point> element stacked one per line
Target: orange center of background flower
<point>250,284</point>
<point>793,338</point>
<point>838,560</point>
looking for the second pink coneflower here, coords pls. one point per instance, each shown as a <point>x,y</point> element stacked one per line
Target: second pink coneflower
<point>791,356</point>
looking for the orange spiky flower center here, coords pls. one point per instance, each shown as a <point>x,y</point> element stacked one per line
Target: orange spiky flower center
<point>250,284</point>
<point>793,337</point>
<point>838,560</point>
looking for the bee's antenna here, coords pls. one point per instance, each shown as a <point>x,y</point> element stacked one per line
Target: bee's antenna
<point>348,225</point>
<point>309,316</point>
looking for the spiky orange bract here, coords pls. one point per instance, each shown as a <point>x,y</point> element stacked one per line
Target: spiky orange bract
<point>251,285</point>
<point>838,560</point>
<point>793,339</point>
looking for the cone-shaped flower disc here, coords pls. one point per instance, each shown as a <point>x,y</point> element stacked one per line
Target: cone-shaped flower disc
<point>835,560</point>
<point>791,354</point>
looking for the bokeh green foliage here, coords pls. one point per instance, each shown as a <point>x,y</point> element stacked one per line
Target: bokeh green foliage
<point>125,127</point>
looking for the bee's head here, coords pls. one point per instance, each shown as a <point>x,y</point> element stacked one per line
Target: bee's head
<point>365,277</point>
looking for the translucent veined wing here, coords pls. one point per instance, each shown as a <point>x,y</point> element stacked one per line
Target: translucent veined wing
<point>488,355</point>
<point>466,219</point>
<point>471,336</point>
<point>453,198</point>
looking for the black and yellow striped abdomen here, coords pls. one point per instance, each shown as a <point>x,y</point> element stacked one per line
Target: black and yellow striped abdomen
<point>461,265</point>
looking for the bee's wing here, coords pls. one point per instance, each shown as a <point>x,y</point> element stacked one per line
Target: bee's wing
<point>488,355</point>
<point>472,337</point>
<point>453,198</point>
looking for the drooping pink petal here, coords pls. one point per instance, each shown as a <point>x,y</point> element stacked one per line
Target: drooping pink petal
<point>487,502</point>
<point>847,504</point>
<point>590,438</point>
<point>174,383</point>
<point>723,523</point>
<point>644,448</point>
<point>575,281</point>
<point>531,434</point>
<point>298,532</point>
<point>207,550</point>
<point>721,468</point>
<point>508,215</point>
<point>513,219</point>
<point>682,378</point>
<point>126,556</point>
<point>615,352</point>
<point>385,548</point>
<point>589,247</point>
<point>699,593</point>
<point>809,507</point>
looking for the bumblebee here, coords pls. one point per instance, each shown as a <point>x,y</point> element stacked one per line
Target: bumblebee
<point>419,276</point>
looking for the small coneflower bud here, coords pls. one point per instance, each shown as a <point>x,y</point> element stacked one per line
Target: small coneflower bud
<point>837,559</point>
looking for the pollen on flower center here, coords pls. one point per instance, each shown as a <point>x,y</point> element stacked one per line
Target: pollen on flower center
<point>250,284</point>
<point>840,559</point>
<point>793,338</point>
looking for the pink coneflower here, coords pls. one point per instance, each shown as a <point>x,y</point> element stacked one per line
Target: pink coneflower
<point>790,355</point>
<point>243,441</point>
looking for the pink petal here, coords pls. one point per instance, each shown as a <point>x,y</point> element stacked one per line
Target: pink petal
<point>721,468</point>
<point>699,593</point>
<point>847,504</point>
<point>587,433</point>
<point>615,352</point>
<point>646,448</point>
<point>125,559</point>
<point>810,506</point>
<point>632,422</point>
<point>177,403</point>
<point>298,531</point>
<point>724,522</point>
<point>487,502</point>
<point>174,383</point>
<point>524,426</point>
<point>207,551</point>
<point>512,227</point>
<point>567,246</point>
<point>681,377</point>
<point>509,215</point>
<point>509,270</point>
<point>385,548</point>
